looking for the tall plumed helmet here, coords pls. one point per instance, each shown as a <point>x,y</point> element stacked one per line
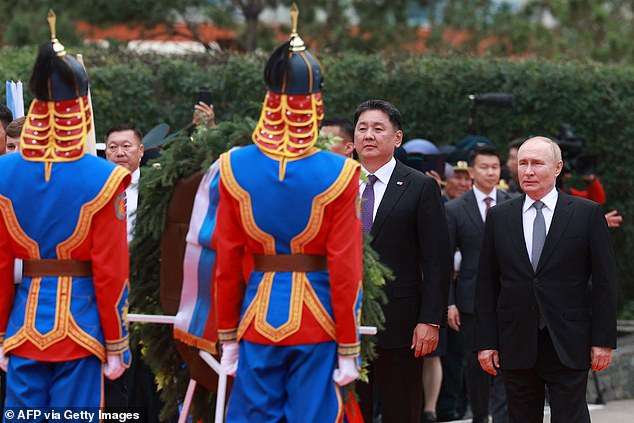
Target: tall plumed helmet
<point>59,117</point>
<point>292,110</point>
<point>57,75</point>
<point>292,69</point>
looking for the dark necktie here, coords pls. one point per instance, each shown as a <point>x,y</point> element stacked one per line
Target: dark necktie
<point>488,201</point>
<point>539,237</point>
<point>367,204</point>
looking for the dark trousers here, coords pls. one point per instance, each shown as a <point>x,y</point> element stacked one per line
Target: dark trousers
<point>116,391</point>
<point>452,401</point>
<point>397,379</point>
<point>525,388</point>
<point>476,379</point>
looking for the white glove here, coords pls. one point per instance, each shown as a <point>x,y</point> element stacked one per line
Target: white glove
<point>4,360</point>
<point>114,367</point>
<point>229,359</point>
<point>347,371</point>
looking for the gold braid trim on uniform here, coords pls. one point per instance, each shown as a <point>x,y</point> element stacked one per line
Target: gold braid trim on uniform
<point>122,319</point>
<point>349,350</point>
<point>244,200</point>
<point>316,307</point>
<point>88,210</point>
<point>227,335</point>
<point>294,321</point>
<point>249,315</point>
<point>16,231</point>
<point>86,341</point>
<point>339,418</point>
<point>62,313</point>
<point>52,151</point>
<point>319,204</point>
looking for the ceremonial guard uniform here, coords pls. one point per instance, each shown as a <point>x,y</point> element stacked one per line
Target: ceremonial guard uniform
<point>294,209</point>
<point>63,213</point>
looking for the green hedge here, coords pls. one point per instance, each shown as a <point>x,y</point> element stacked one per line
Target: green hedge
<point>430,92</point>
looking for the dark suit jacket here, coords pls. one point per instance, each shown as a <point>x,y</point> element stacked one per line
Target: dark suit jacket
<point>410,235</point>
<point>466,230</point>
<point>578,247</point>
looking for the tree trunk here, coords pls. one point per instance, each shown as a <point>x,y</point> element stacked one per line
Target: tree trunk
<point>252,32</point>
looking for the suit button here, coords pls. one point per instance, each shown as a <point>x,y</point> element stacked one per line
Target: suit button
<point>535,280</point>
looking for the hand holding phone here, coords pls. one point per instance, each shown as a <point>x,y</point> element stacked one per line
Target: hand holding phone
<point>204,96</point>
<point>203,110</point>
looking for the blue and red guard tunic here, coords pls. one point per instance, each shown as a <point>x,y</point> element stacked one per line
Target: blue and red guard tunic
<point>78,214</point>
<point>313,211</point>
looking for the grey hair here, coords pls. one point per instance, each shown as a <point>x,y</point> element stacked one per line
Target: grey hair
<point>553,146</point>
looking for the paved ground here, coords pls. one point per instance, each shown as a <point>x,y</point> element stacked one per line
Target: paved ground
<point>621,411</point>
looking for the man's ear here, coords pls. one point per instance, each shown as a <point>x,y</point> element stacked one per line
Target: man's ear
<point>398,138</point>
<point>348,148</point>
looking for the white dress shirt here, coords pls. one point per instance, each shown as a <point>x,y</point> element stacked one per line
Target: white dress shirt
<point>482,205</point>
<point>529,213</point>
<point>383,174</point>
<point>132,200</point>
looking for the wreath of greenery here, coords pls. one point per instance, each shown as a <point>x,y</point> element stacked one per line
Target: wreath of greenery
<point>183,156</point>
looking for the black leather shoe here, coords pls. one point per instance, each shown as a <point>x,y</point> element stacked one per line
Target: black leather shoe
<point>428,417</point>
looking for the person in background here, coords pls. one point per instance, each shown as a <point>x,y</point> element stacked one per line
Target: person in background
<point>6,116</point>
<point>13,131</point>
<point>204,115</point>
<point>511,165</point>
<point>343,129</point>
<point>466,216</point>
<point>457,181</point>
<point>136,388</point>
<point>124,147</point>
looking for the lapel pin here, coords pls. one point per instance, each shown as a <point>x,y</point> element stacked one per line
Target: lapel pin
<point>399,182</point>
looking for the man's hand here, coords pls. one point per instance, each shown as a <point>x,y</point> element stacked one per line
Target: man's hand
<point>601,358</point>
<point>453,318</point>
<point>424,339</point>
<point>436,176</point>
<point>489,361</point>
<point>4,360</point>
<point>114,367</point>
<point>229,359</point>
<point>614,219</point>
<point>204,114</point>
<point>346,371</point>
<point>588,179</point>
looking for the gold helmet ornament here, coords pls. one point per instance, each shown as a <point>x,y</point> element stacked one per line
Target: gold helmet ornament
<point>293,109</point>
<point>59,117</point>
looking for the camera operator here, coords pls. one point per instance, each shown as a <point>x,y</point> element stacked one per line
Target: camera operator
<point>585,166</point>
<point>594,189</point>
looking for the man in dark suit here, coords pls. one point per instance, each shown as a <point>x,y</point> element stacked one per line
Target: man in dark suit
<point>466,216</point>
<point>403,211</point>
<point>538,318</point>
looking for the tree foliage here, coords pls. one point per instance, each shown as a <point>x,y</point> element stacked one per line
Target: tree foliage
<point>555,29</point>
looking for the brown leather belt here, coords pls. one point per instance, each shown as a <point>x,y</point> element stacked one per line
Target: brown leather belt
<point>35,268</point>
<point>290,263</point>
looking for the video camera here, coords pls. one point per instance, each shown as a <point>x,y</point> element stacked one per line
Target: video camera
<point>572,152</point>
<point>504,100</point>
